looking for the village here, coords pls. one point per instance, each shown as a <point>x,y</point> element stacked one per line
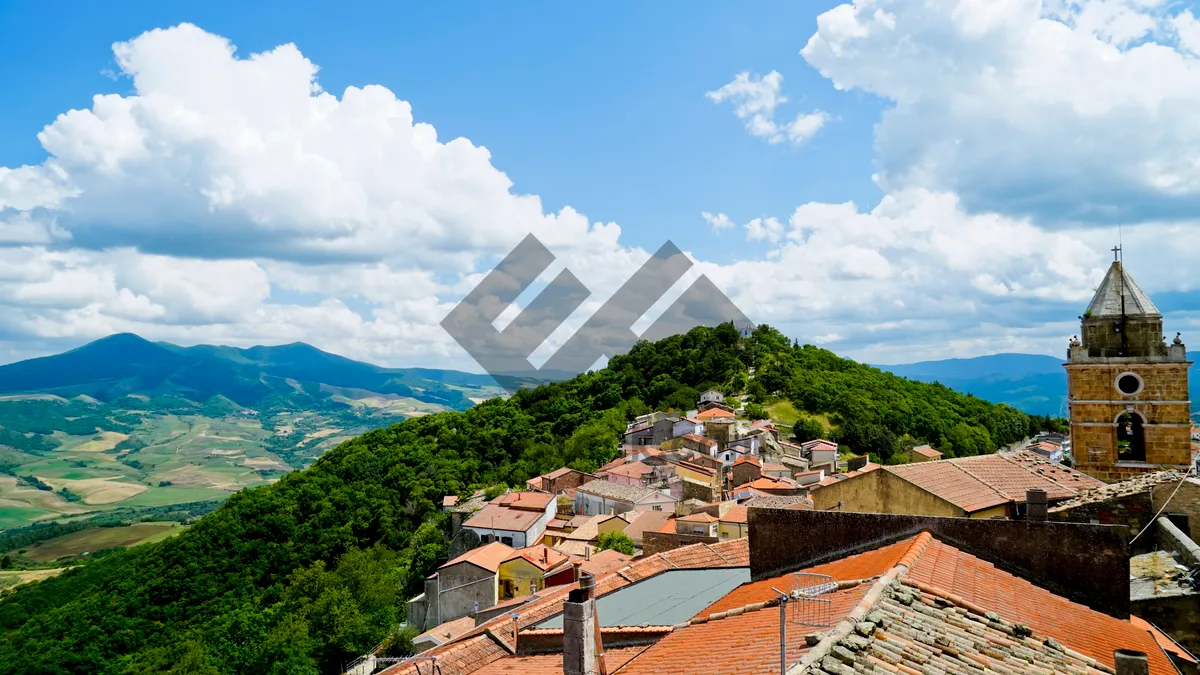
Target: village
<point>1005,562</point>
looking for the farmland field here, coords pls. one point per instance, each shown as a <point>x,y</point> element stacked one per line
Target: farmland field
<point>142,458</point>
<point>98,538</point>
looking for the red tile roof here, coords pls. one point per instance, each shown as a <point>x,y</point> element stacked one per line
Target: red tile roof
<point>541,556</point>
<point>1164,641</point>
<point>449,500</point>
<point>630,470</point>
<point>698,517</point>
<point>927,451</point>
<point>488,556</point>
<point>738,515</point>
<point>532,501</point>
<point>602,562</point>
<point>497,517</point>
<point>747,459</point>
<point>714,412</point>
<point>552,664</point>
<point>447,631</point>
<point>699,439</point>
<point>978,483</point>
<point>978,582</point>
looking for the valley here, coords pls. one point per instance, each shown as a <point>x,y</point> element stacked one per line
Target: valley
<point>124,423</point>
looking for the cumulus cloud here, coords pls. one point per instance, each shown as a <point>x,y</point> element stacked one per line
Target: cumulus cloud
<point>1075,112</point>
<point>233,200</point>
<point>754,100</point>
<point>718,221</point>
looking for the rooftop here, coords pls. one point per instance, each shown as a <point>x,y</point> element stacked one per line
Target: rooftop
<point>630,469</point>
<point>917,605</point>
<point>602,562</point>
<point>645,521</point>
<point>611,490</point>
<point>927,451</point>
<point>698,517</point>
<point>1135,485</point>
<point>982,482</point>
<point>712,413</point>
<point>665,600</point>
<point>1117,284</point>
<point>531,501</point>
<point>739,515</point>
<point>541,556</point>
<point>499,517</point>
<point>488,556</point>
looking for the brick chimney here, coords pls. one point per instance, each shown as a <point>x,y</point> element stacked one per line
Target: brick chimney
<point>1035,502</point>
<point>1130,662</point>
<point>579,629</point>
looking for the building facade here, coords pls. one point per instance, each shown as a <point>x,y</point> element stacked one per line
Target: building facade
<point>1127,388</point>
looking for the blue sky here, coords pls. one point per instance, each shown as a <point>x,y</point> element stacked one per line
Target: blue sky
<point>282,193</point>
<point>598,107</point>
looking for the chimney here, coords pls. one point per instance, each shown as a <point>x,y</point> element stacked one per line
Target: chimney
<point>578,565</point>
<point>1130,662</point>
<point>1035,502</point>
<point>580,638</point>
<point>587,551</point>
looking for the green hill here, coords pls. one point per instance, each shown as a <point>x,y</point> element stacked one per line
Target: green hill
<point>125,364</point>
<point>303,575</point>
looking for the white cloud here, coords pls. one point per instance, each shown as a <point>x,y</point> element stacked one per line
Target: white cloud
<point>755,99</point>
<point>232,200</point>
<point>1079,110</point>
<point>719,221</point>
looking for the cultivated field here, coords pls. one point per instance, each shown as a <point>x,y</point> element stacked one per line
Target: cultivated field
<point>98,538</point>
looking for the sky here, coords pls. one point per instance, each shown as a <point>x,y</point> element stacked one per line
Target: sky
<point>893,180</point>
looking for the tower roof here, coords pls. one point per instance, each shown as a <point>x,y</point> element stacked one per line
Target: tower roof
<point>1118,283</point>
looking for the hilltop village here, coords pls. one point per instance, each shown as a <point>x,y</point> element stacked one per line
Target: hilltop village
<point>717,544</point>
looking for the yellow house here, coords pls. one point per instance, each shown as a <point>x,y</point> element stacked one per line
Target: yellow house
<point>529,570</point>
<point>734,524</point>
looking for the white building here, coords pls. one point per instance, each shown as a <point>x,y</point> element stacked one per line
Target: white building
<point>602,496</point>
<point>517,519</point>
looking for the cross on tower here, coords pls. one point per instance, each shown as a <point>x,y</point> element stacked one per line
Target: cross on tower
<point>1116,253</point>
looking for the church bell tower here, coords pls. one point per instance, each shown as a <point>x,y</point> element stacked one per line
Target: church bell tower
<point>1127,388</point>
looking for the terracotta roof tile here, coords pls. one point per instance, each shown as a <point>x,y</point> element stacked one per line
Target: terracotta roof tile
<point>488,556</point>
<point>539,555</point>
<point>978,582</point>
<point>552,664</point>
<point>977,483</point>
<point>927,451</point>
<point>736,514</point>
<point>531,501</point>
<point>747,644</point>
<point>712,413</point>
<point>603,562</point>
<point>1164,641</point>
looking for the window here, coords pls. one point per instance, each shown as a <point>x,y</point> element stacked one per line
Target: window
<point>657,507</point>
<point>1131,440</point>
<point>1130,384</point>
<point>507,541</point>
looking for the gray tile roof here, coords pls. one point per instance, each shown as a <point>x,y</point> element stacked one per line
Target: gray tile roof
<point>1117,283</point>
<point>611,490</point>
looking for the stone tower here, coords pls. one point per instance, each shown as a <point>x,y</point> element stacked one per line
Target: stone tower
<point>1127,388</point>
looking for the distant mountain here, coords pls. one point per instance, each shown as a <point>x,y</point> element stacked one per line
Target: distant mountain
<point>125,364</point>
<point>1033,383</point>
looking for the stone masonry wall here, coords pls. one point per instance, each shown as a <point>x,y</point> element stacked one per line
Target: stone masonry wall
<point>1094,447</point>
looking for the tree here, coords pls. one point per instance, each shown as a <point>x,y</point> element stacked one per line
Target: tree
<point>807,429</point>
<point>616,541</point>
<point>756,412</point>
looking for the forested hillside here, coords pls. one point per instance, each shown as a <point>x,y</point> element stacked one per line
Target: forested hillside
<point>303,575</point>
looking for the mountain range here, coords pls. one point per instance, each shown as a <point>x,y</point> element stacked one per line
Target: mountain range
<point>1033,383</point>
<point>125,364</point>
